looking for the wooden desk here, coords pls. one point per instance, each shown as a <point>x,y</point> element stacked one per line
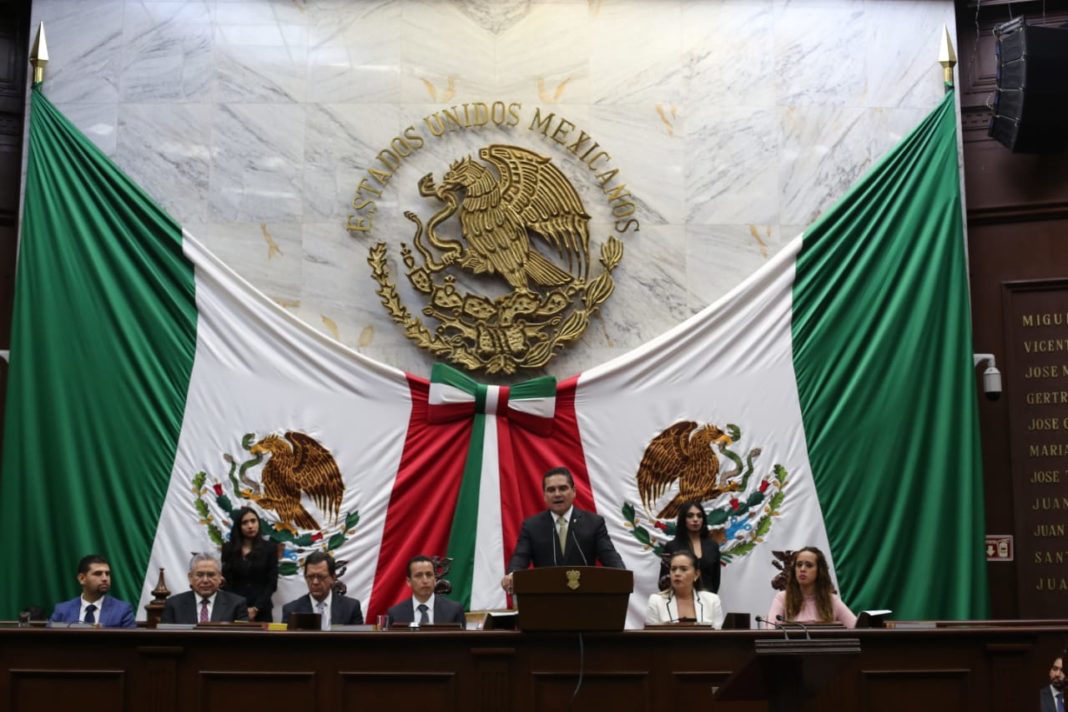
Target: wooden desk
<point>943,669</point>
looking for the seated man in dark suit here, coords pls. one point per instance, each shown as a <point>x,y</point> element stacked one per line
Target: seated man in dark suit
<point>424,606</point>
<point>1051,697</point>
<point>206,603</point>
<point>563,535</point>
<point>94,605</point>
<point>320,573</point>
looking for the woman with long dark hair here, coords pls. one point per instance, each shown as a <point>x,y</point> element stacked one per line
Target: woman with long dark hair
<point>809,596</point>
<point>250,564</point>
<point>683,600</point>
<point>692,535</point>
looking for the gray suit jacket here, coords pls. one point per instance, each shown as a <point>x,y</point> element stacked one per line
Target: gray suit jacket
<point>182,608</point>
<point>587,543</point>
<point>343,610</point>
<point>445,611</point>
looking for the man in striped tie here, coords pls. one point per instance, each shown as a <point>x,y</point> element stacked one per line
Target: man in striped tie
<point>95,606</point>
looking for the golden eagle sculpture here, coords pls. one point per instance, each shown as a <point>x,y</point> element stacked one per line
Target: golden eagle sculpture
<point>298,464</point>
<point>682,452</point>
<point>498,215</point>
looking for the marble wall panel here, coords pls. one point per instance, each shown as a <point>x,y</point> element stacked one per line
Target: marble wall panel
<point>732,124</point>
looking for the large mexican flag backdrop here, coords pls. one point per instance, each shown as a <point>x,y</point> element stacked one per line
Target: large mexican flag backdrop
<point>828,400</point>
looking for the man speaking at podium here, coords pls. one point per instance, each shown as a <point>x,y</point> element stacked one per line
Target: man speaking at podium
<point>563,535</point>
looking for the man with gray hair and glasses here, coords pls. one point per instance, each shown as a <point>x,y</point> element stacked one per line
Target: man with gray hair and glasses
<point>205,603</point>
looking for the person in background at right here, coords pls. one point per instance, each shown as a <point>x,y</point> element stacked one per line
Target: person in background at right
<point>1051,696</point>
<point>809,596</point>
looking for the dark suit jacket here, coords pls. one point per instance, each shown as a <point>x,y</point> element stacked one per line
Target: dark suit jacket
<point>185,608</point>
<point>1046,701</point>
<point>708,563</point>
<point>343,610</point>
<point>587,542</point>
<point>112,614</point>
<point>445,611</point>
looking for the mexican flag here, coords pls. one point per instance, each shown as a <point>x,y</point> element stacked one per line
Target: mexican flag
<point>828,400</point>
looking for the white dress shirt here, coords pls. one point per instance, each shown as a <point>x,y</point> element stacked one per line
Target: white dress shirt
<point>323,607</point>
<point>429,603</point>
<point>99,603</point>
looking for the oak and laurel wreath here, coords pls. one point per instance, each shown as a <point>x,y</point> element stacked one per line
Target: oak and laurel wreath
<point>461,350</point>
<point>734,509</point>
<point>287,566</point>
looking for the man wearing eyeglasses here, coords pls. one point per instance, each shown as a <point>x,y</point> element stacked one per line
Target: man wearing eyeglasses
<point>205,603</point>
<point>320,574</point>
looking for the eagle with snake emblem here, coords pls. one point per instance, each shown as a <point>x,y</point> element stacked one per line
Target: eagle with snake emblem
<point>298,464</point>
<point>683,452</point>
<point>503,216</point>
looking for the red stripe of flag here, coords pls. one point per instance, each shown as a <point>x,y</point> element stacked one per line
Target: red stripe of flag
<point>423,500</point>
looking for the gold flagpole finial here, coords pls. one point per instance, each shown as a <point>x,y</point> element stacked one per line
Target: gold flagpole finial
<point>946,56</point>
<point>39,55</point>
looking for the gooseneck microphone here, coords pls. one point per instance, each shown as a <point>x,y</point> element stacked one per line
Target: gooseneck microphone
<point>773,624</point>
<point>799,624</point>
<point>571,530</point>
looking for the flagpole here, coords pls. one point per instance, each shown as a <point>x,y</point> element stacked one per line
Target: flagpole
<point>39,55</point>
<point>947,58</point>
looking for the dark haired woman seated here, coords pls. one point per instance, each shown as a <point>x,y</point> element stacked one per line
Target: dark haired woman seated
<point>683,601</point>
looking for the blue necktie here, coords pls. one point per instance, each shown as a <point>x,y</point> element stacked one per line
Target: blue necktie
<point>423,617</point>
<point>89,617</point>
<point>1060,701</point>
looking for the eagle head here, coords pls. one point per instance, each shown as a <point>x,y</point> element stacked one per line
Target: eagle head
<point>462,173</point>
<point>270,445</point>
<point>710,434</point>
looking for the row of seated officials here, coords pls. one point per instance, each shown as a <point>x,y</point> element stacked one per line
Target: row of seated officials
<point>240,587</point>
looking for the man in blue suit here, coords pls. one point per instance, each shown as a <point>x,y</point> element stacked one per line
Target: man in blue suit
<point>94,605</point>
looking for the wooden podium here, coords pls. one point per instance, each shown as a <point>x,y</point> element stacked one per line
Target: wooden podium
<point>572,598</point>
<point>787,672</point>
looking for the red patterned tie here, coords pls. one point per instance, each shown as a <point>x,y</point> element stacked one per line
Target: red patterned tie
<point>204,616</point>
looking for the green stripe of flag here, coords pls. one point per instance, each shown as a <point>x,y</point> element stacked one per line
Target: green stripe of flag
<point>464,530</point>
<point>103,340</point>
<point>541,387</point>
<point>882,350</point>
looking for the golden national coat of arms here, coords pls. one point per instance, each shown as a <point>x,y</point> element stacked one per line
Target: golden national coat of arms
<point>520,222</point>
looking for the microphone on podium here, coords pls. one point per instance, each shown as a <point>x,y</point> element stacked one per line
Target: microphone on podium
<point>785,623</point>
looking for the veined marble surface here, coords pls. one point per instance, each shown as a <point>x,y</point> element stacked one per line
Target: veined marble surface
<point>732,123</point>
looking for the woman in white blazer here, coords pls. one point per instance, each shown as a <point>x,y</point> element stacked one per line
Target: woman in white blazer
<point>683,602</point>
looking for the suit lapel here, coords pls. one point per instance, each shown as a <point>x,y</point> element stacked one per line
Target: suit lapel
<point>335,609</point>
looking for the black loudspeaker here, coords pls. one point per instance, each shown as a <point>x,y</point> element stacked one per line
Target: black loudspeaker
<point>1031,102</point>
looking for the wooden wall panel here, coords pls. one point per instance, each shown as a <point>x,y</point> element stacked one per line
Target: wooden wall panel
<point>229,690</point>
<point>398,690</point>
<point>1017,222</point>
<point>974,669</point>
<point>607,690</point>
<point>66,689</point>
<point>895,690</point>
